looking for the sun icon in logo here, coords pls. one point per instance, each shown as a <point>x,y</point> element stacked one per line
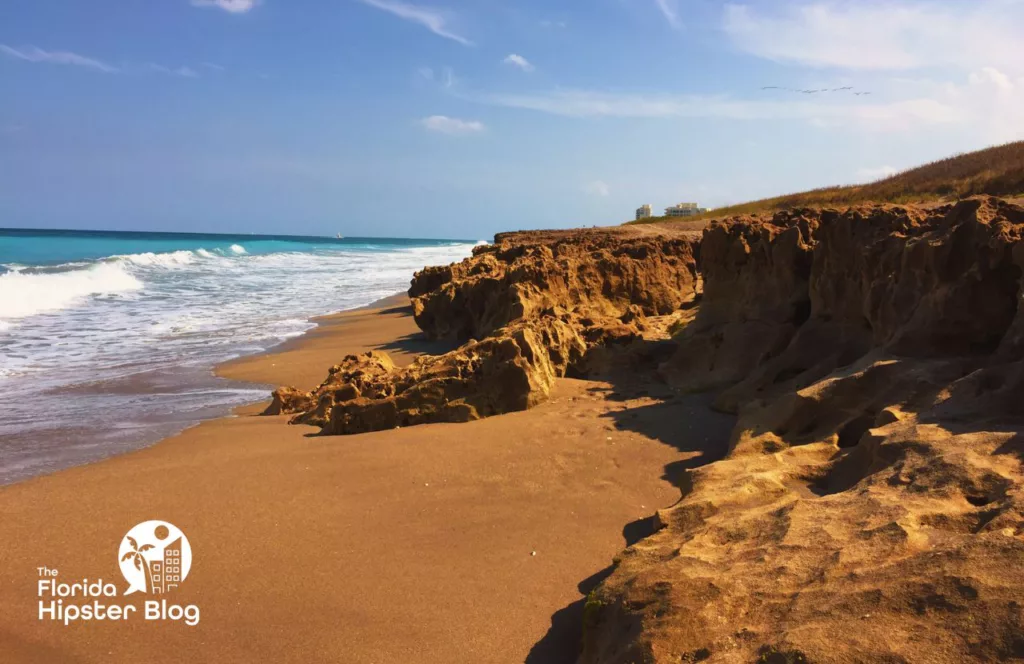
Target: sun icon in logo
<point>155,557</point>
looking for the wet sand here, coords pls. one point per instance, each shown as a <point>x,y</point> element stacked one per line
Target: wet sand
<point>441,543</point>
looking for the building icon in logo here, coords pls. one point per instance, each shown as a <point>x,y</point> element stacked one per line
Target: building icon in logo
<point>166,573</point>
<point>155,557</point>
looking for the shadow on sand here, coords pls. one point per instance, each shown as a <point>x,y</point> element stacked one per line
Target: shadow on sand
<point>561,645</point>
<point>417,342</point>
<point>685,422</point>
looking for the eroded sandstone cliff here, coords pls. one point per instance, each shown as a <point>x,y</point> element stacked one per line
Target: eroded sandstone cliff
<point>531,308</point>
<point>871,507</point>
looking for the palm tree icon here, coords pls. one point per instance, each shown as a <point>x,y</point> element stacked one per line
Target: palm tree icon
<point>139,559</point>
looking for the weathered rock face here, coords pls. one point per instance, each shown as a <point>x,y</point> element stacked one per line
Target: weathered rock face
<point>542,306</point>
<point>871,507</point>
<point>755,297</point>
<point>601,274</point>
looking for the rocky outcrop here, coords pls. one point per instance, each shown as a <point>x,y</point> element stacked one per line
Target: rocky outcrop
<point>601,274</point>
<point>535,308</point>
<point>871,505</point>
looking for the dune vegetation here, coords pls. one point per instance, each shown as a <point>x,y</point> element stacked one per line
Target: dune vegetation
<point>997,171</point>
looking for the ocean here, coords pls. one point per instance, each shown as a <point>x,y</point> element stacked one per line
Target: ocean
<point>108,339</point>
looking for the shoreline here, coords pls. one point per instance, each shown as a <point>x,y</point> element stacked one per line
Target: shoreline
<point>238,375</point>
<point>444,542</point>
<point>249,368</point>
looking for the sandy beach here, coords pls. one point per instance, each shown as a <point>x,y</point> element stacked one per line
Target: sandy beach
<point>439,543</point>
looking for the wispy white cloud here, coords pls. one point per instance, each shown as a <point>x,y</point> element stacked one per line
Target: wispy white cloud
<point>985,104</point>
<point>432,19</point>
<point>518,61</point>
<point>214,66</point>
<point>454,126</point>
<point>548,23</point>
<point>232,6</point>
<point>38,55</point>
<point>35,54</point>
<point>671,12</point>
<point>882,35</point>
<point>597,188</point>
<point>585,103</point>
<point>184,72</point>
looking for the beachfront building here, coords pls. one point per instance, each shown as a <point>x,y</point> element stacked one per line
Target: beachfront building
<point>644,212</point>
<point>684,210</point>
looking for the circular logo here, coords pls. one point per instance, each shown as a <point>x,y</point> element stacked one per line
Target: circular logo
<point>155,557</point>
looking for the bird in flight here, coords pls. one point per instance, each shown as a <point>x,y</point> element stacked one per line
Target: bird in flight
<point>812,91</point>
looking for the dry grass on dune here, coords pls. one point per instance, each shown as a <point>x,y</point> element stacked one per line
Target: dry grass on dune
<point>997,171</point>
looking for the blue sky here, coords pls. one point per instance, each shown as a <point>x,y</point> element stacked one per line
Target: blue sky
<point>460,118</point>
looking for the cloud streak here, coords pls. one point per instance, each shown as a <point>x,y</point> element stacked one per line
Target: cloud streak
<point>591,104</point>
<point>986,104</point>
<point>443,124</point>
<point>518,61</point>
<point>38,55</point>
<point>874,35</point>
<point>184,72</point>
<point>671,13</point>
<point>431,19</point>
<point>231,6</point>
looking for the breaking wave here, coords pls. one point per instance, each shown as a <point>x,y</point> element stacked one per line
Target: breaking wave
<point>26,294</point>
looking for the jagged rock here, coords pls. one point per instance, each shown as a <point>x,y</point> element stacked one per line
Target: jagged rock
<point>601,274</point>
<point>289,400</point>
<point>543,305</point>
<point>755,276</point>
<point>510,371</point>
<point>873,486</point>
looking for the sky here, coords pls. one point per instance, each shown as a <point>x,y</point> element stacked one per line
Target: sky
<point>462,118</point>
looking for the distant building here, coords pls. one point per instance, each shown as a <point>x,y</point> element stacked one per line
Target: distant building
<point>684,210</point>
<point>644,212</point>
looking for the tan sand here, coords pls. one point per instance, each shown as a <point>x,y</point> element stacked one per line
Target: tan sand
<point>412,545</point>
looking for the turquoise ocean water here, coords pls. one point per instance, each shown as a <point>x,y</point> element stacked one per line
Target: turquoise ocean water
<point>107,339</point>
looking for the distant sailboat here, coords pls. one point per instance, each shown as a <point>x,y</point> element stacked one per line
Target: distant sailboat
<point>340,236</point>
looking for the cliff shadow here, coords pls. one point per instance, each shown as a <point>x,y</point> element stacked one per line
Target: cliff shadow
<point>685,422</point>
<point>417,342</point>
<point>561,644</point>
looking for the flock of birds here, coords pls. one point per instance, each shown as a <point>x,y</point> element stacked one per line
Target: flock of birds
<point>847,88</point>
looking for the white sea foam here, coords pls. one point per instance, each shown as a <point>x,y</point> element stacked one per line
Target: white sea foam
<point>237,249</point>
<point>161,320</point>
<point>25,294</point>
<point>147,259</point>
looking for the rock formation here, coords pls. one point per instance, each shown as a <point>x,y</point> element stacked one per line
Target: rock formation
<point>598,274</point>
<point>535,307</point>
<point>871,507</point>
